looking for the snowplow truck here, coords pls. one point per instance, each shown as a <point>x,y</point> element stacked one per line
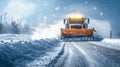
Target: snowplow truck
<point>76,26</point>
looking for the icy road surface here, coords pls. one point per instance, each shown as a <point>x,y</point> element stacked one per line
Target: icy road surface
<point>84,54</point>
<point>20,51</point>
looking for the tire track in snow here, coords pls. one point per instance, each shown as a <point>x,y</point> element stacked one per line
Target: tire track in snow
<point>70,55</point>
<point>89,60</point>
<point>54,61</point>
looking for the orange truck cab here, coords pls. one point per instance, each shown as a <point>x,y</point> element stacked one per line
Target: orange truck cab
<point>76,26</point>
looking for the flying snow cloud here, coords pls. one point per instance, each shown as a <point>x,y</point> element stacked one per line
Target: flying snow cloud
<point>48,31</point>
<point>102,27</point>
<point>19,9</point>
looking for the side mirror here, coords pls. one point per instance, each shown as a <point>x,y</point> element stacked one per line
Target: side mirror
<point>88,20</point>
<point>65,21</point>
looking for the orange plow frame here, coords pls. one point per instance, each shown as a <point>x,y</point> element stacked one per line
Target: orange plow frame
<point>67,33</point>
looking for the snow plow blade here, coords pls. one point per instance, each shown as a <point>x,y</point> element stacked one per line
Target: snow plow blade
<point>82,34</point>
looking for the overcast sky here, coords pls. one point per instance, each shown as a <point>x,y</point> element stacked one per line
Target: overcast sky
<point>35,12</point>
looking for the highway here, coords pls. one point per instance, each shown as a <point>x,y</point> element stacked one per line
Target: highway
<point>84,54</point>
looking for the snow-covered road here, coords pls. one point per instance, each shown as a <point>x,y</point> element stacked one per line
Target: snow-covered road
<point>20,51</point>
<point>84,54</point>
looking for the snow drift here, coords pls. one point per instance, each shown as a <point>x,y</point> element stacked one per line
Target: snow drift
<point>112,41</point>
<point>14,37</point>
<point>28,53</point>
<point>113,44</point>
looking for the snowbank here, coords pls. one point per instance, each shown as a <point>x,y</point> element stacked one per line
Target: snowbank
<point>29,53</point>
<point>108,43</point>
<point>112,41</point>
<point>20,51</point>
<point>13,37</point>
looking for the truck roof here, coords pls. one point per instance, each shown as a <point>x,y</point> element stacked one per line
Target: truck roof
<point>76,17</point>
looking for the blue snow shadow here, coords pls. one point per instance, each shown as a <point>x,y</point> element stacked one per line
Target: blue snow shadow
<point>23,52</point>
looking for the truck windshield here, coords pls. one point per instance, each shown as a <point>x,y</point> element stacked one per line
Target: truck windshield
<point>76,27</point>
<point>78,22</point>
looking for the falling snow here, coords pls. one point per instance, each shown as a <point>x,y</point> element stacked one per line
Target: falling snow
<point>86,2</point>
<point>101,13</point>
<point>65,8</point>
<point>57,8</point>
<point>95,8</point>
